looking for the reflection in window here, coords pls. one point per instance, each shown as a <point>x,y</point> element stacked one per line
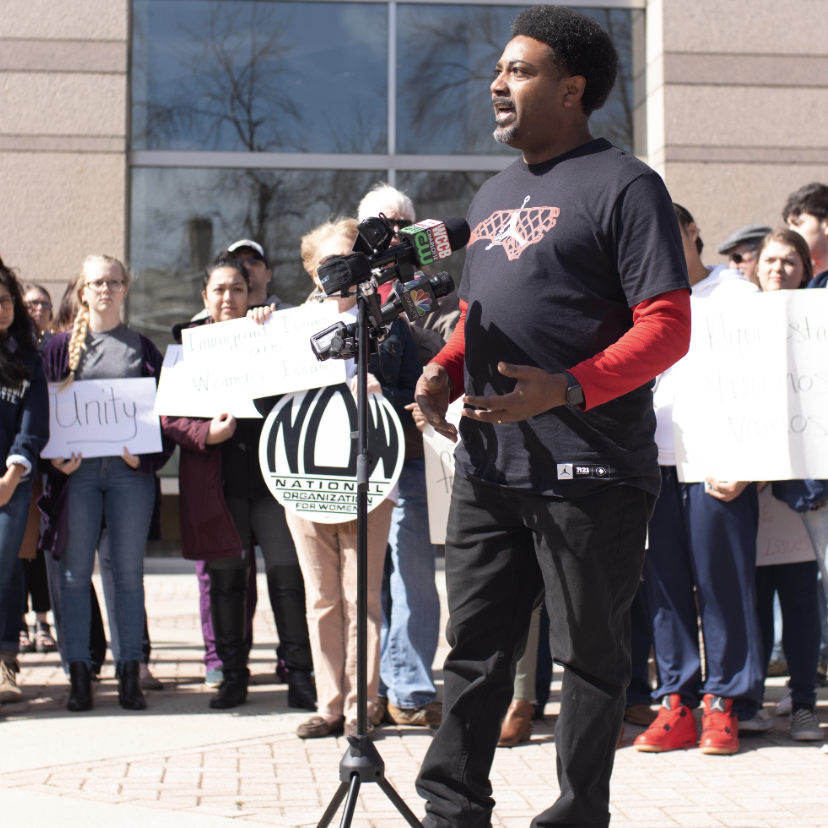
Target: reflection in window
<point>259,76</point>
<point>446,58</point>
<point>181,218</point>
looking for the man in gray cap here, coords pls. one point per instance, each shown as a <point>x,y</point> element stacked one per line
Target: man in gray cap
<point>741,246</point>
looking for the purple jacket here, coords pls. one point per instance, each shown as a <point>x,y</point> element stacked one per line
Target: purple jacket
<point>53,503</point>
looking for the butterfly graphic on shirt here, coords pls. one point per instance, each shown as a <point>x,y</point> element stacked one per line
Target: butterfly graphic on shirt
<point>515,230</point>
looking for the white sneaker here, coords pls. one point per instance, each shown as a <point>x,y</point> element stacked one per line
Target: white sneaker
<point>785,706</point>
<point>805,727</point>
<point>214,677</point>
<point>760,722</point>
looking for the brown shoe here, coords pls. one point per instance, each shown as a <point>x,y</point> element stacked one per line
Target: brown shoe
<point>640,714</point>
<point>316,727</point>
<point>517,726</point>
<point>351,728</point>
<point>429,715</point>
<point>9,668</point>
<point>380,709</point>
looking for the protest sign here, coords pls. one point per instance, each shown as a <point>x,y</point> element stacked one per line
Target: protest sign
<point>752,395</point>
<point>225,366</point>
<point>782,537</point>
<point>184,391</point>
<point>439,469</point>
<point>308,455</point>
<point>99,418</point>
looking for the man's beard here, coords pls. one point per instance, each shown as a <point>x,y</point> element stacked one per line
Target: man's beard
<point>505,134</point>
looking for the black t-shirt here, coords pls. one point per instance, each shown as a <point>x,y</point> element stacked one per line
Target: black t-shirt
<point>559,254</point>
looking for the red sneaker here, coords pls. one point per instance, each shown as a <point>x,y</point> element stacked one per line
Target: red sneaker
<point>720,728</point>
<point>673,729</point>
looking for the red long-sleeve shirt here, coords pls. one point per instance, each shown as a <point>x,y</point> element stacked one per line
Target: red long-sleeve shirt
<point>659,337</point>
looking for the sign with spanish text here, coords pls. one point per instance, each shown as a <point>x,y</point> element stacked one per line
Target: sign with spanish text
<point>100,418</point>
<point>782,537</point>
<point>751,399</point>
<point>308,452</point>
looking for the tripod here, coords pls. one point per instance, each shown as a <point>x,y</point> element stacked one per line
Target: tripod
<point>362,762</point>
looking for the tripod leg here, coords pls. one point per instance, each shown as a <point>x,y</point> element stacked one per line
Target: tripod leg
<point>333,806</point>
<point>350,803</point>
<point>399,803</point>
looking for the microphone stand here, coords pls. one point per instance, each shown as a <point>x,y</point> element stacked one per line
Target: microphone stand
<point>362,762</point>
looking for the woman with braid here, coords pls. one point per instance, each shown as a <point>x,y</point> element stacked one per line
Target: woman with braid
<point>85,491</point>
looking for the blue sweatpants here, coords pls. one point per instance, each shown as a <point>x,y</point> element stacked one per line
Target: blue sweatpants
<point>698,541</point>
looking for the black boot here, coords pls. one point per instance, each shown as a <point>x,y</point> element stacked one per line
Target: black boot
<point>130,694</point>
<point>80,696</point>
<point>228,609</point>
<point>287,598</point>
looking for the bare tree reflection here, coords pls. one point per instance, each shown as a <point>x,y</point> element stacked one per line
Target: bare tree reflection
<point>234,89</point>
<point>447,59</point>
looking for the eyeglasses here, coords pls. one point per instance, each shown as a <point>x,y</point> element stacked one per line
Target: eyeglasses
<point>114,285</point>
<point>251,260</point>
<point>741,257</point>
<point>7,302</point>
<point>39,303</point>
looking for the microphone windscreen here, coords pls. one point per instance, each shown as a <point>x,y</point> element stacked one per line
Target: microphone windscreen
<point>458,232</point>
<point>442,283</point>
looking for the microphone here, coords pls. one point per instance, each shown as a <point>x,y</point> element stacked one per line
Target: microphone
<point>421,244</point>
<point>428,241</point>
<point>418,297</point>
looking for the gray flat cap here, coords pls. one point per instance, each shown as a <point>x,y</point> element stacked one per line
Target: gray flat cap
<point>749,234</point>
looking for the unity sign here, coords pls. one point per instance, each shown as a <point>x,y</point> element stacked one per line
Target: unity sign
<point>99,418</point>
<point>308,452</point>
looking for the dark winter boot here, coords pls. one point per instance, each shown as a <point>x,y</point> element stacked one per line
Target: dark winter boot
<point>228,609</point>
<point>287,598</point>
<point>130,694</point>
<point>80,695</point>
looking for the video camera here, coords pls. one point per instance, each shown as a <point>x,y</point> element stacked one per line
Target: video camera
<point>374,262</point>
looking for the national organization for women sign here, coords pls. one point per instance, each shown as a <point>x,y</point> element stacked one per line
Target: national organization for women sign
<point>308,452</point>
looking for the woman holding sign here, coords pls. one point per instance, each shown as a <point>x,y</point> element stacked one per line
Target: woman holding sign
<point>784,263</point>
<point>225,503</point>
<point>327,551</point>
<point>24,430</point>
<point>120,488</point>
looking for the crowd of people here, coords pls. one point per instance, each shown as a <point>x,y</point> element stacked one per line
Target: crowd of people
<point>700,570</point>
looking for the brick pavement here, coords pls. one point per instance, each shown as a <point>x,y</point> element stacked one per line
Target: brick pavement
<point>272,777</point>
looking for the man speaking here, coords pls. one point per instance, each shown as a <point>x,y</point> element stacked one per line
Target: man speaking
<point>575,296</point>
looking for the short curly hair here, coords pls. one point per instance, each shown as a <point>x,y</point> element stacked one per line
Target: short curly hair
<point>579,46</point>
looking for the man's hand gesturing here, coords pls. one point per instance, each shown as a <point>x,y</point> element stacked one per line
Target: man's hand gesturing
<point>536,391</point>
<point>433,394</point>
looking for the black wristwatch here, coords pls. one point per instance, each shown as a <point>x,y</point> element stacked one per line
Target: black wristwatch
<point>574,392</point>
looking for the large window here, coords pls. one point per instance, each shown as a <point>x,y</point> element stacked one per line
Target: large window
<point>258,119</point>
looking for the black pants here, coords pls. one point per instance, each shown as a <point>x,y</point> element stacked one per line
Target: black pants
<point>796,584</point>
<point>503,547</point>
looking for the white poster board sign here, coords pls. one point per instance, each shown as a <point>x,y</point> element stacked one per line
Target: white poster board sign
<point>752,395</point>
<point>308,455</point>
<point>439,470</point>
<point>782,537</point>
<point>224,366</point>
<point>99,418</point>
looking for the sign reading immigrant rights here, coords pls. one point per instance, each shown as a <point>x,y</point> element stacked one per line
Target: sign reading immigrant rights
<point>308,456</point>
<point>99,418</point>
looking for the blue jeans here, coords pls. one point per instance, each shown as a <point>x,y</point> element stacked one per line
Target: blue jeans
<point>106,486</point>
<point>13,517</point>
<point>410,604</point>
<point>698,541</point>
